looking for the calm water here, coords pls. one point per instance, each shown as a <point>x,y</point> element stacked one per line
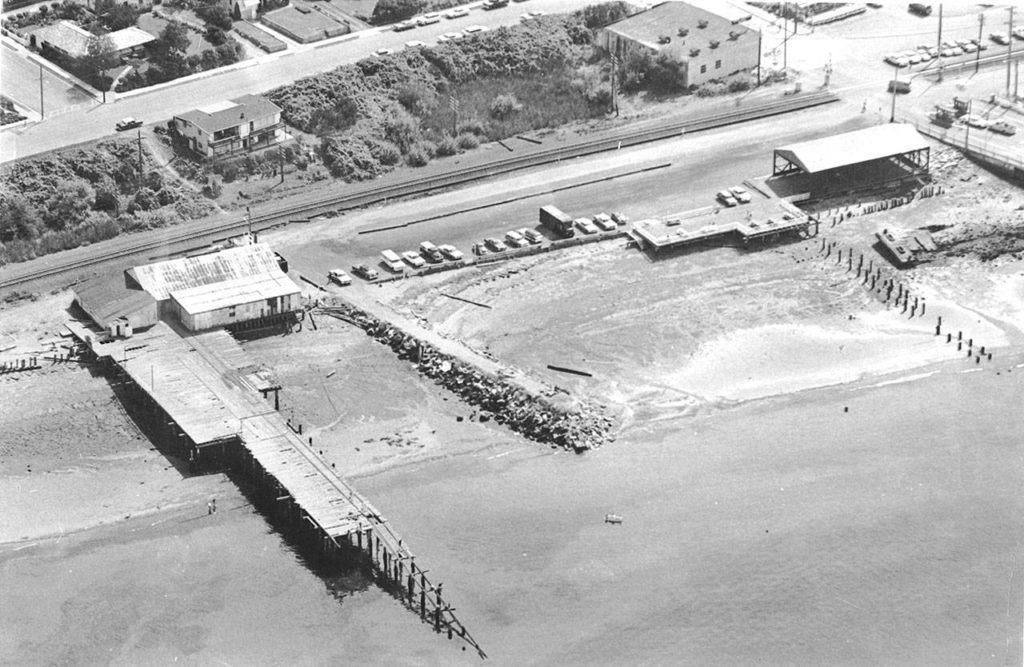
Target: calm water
<point>787,532</point>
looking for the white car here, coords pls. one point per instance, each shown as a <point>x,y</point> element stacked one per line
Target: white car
<point>516,240</point>
<point>450,252</point>
<point>450,37</point>
<point>585,225</point>
<point>415,44</point>
<point>475,29</point>
<point>740,194</point>
<point>531,235</point>
<point>383,52</point>
<point>605,222</point>
<point>529,16</point>
<point>339,277</point>
<point>404,25</point>
<point>413,259</point>
<point>455,13</point>
<point>974,120</point>
<point>427,19</point>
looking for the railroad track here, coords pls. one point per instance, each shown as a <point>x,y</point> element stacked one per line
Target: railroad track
<point>413,186</point>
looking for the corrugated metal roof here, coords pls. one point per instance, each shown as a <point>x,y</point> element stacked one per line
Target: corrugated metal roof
<point>855,147</point>
<point>106,298</point>
<point>184,273</point>
<point>235,292</point>
<point>666,19</point>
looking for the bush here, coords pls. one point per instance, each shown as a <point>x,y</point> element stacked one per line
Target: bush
<point>229,170</point>
<point>215,15</point>
<point>468,141</point>
<point>504,106</point>
<point>215,35</point>
<point>386,152</point>
<point>417,156</point>
<point>473,127</point>
<point>739,85</point>
<point>447,146</point>
<point>213,188</point>
<point>402,129</point>
<point>390,11</point>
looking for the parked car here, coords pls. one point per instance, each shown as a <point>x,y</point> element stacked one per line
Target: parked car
<point>529,16</point>
<point>475,29</point>
<point>1002,127</point>
<point>365,272</point>
<point>404,25</point>
<point>339,277</point>
<point>897,60</point>
<point>914,59</point>
<point>480,249</point>
<point>1000,38</point>
<point>585,225</point>
<point>947,52</point>
<point>974,120</point>
<point>969,47</point>
<point>726,198</point>
<point>415,44</point>
<point>392,261</point>
<point>515,240</point>
<point>450,37</point>
<point>494,4</point>
<point>431,252</point>
<point>427,19</point>
<point>450,252</point>
<point>740,194</point>
<point>456,12</point>
<point>413,259</point>
<point>494,244</point>
<point>531,235</point>
<point>383,52</point>
<point>620,218</point>
<point>919,8</point>
<point>605,222</point>
<point>128,124</point>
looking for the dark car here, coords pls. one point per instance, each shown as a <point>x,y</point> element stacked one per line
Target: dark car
<point>920,9</point>
<point>128,124</point>
<point>494,4</point>
<point>365,272</point>
<point>1002,127</point>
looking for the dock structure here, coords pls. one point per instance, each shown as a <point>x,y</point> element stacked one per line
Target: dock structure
<point>741,225</point>
<point>202,395</point>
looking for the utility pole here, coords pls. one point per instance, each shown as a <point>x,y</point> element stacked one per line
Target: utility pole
<point>248,221</point>
<point>615,91</point>
<point>453,104</point>
<point>977,54</point>
<point>785,38</point>
<point>280,155</point>
<point>967,136</point>
<point>1009,52</point>
<point>42,113</point>
<point>759,57</point>
<point>892,116</point>
<point>140,158</point>
<point>938,43</point>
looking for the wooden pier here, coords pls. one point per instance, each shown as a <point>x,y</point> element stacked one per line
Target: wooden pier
<point>202,396</point>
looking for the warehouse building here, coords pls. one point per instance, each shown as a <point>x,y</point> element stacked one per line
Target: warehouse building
<point>235,288</point>
<point>708,40</point>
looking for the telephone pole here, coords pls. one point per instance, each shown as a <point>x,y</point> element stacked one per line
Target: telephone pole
<point>140,158</point>
<point>42,113</point>
<point>977,54</point>
<point>1009,52</point>
<point>615,97</point>
<point>938,43</point>
<point>892,115</point>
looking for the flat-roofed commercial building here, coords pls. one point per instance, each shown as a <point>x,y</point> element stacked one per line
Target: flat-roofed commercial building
<point>708,41</point>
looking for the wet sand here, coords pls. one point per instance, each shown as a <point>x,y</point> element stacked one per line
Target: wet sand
<point>786,531</point>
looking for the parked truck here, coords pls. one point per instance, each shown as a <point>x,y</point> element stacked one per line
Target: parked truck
<point>557,221</point>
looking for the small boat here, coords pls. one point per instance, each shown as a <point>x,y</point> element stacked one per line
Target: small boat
<point>612,518</point>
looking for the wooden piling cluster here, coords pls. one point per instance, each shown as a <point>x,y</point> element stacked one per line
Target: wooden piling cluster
<point>874,280</point>
<point>837,215</point>
<point>982,354</point>
<point>20,365</point>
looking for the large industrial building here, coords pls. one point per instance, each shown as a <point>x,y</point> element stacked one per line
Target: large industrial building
<point>232,288</point>
<point>709,41</point>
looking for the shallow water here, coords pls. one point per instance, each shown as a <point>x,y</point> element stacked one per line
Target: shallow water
<point>782,532</point>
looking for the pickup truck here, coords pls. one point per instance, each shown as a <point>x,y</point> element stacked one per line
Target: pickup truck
<point>128,124</point>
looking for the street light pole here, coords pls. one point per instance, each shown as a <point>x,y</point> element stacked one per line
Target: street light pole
<point>977,57</point>
<point>1009,52</point>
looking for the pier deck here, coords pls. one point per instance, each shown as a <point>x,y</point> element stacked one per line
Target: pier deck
<point>209,399</point>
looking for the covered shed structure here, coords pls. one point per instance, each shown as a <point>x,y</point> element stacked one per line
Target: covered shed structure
<point>854,160</point>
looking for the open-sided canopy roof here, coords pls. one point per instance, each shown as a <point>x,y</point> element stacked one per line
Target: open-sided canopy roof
<point>855,147</point>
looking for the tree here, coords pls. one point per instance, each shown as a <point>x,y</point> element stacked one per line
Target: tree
<point>69,205</point>
<point>18,219</point>
<point>504,105</point>
<point>390,11</point>
<point>173,39</point>
<point>100,55</point>
<point>215,35</point>
<point>215,15</point>
<point>117,16</point>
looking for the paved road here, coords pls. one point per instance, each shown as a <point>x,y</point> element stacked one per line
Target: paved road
<point>20,78</point>
<point>95,121</point>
